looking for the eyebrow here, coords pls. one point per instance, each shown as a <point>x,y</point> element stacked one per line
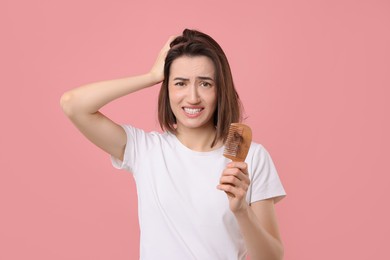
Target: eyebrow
<point>185,79</point>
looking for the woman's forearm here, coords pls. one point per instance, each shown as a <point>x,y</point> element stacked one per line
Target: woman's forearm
<point>88,99</point>
<point>91,97</point>
<point>261,245</point>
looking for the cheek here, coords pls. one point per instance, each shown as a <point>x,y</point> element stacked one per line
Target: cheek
<point>174,99</point>
<point>175,95</point>
<point>212,98</point>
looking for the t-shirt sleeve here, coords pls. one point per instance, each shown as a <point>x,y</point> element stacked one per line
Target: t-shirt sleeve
<point>137,143</point>
<point>265,181</point>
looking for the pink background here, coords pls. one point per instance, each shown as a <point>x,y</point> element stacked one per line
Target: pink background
<point>314,78</point>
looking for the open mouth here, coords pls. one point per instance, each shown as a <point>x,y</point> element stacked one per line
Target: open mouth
<point>192,111</point>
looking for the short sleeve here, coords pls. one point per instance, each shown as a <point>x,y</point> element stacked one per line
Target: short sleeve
<point>136,145</point>
<point>265,181</point>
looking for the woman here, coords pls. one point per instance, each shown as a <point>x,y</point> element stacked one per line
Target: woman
<point>180,174</point>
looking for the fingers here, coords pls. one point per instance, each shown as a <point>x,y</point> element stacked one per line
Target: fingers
<point>171,38</point>
<point>157,71</point>
<point>167,45</point>
<point>235,180</point>
<point>243,166</point>
<point>232,191</point>
<point>240,173</point>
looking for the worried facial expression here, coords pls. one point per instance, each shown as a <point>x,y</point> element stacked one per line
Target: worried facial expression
<point>192,91</point>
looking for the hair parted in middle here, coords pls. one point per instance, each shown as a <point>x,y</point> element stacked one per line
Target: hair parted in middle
<point>229,108</point>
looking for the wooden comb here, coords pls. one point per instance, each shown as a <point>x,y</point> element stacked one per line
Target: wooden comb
<point>238,142</point>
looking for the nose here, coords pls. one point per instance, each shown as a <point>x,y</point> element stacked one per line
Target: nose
<point>193,95</point>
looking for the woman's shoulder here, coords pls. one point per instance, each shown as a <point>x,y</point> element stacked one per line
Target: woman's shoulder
<point>257,150</point>
<point>255,146</point>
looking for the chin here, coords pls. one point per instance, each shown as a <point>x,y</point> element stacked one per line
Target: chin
<point>196,125</point>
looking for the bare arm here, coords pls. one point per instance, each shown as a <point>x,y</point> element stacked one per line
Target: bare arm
<point>257,221</point>
<point>82,106</point>
<point>260,230</point>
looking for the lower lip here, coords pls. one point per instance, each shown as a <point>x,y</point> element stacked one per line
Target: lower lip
<point>193,115</point>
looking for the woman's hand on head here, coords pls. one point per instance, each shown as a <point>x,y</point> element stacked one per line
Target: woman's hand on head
<point>157,71</point>
<point>235,182</point>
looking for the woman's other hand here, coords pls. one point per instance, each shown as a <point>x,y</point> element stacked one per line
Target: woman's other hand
<point>157,71</point>
<point>235,182</point>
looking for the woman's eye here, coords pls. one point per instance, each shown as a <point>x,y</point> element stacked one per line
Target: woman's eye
<point>205,84</point>
<point>180,84</point>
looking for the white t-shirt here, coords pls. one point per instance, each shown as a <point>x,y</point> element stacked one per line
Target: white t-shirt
<point>182,215</point>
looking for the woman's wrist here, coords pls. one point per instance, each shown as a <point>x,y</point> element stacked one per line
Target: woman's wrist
<point>243,212</point>
<point>155,78</point>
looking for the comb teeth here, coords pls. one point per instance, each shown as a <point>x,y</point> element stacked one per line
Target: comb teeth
<point>233,141</point>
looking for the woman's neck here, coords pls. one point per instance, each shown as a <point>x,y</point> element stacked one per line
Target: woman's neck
<point>198,139</point>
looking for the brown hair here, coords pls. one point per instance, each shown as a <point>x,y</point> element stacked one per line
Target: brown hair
<point>228,110</point>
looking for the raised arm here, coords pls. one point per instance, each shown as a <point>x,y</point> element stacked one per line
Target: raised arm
<point>82,105</point>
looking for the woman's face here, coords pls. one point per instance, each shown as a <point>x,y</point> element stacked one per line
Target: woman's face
<point>192,92</point>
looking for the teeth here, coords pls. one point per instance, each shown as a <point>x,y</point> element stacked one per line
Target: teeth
<point>192,110</point>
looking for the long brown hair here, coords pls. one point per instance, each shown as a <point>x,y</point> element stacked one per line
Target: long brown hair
<point>194,43</point>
